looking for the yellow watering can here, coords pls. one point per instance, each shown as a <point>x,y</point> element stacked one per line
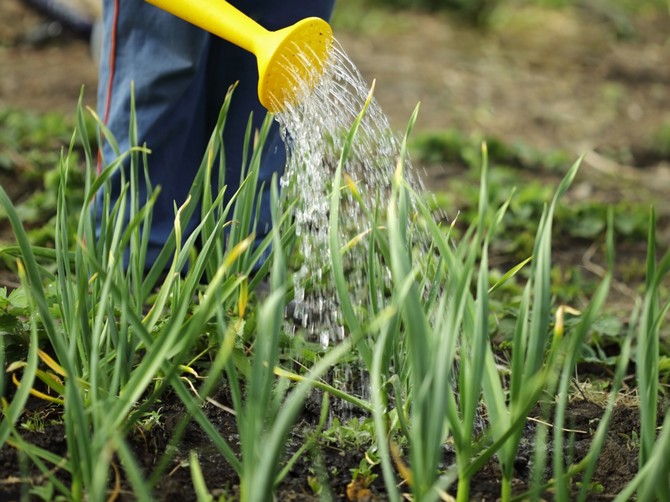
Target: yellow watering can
<point>287,58</point>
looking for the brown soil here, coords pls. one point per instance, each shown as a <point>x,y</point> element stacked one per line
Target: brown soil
<point>329,462</point>
<point>560,79</point>
<point>42,76</point>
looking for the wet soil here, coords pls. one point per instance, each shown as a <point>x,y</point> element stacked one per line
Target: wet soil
<point>577,79</point>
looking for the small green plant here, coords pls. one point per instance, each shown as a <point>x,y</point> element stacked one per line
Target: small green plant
<point>150,420</point>
<point>354,433</point>
<point>362,478</point>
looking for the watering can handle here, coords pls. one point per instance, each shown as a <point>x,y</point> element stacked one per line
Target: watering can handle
<point>218,17</point>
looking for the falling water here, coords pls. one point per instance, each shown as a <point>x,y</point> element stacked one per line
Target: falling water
<point>316,129</point>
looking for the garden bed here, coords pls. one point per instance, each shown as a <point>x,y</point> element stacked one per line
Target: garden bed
<point>616,112</point>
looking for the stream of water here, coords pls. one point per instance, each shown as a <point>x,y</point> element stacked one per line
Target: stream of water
<point>316,128</point>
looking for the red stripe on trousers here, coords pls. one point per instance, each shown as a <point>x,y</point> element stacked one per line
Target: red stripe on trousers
<point>110,82</point>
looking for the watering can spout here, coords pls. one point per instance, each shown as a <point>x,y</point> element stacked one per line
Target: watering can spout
<point>288,59</point>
